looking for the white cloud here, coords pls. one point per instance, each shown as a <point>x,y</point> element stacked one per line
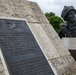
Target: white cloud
<point>55,6</point>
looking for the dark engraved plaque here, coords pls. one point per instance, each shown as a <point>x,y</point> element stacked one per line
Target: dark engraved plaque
<point>20,49</point>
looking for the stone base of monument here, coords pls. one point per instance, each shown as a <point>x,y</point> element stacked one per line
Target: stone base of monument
<point>70,44</point>
<point>30,44</point>
<point>23,47</point>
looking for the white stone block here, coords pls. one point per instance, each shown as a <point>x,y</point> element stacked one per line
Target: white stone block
<point>22,9</point>
<point>43,40</point>
<point>1,68</point>
<point>70,43</point>
<point>63,65</point>
<point>56,41</point>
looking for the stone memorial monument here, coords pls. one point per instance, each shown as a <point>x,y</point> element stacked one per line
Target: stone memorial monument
<point>28,43</point>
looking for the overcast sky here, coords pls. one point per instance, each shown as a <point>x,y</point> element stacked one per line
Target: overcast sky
<point>55,6</point>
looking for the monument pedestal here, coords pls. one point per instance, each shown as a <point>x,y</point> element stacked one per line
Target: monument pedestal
<point>70,44</point>
<point>47,45</point>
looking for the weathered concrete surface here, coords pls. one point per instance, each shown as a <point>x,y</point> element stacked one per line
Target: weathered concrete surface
<point>58,57</point>
<point>70,43</point>
<point>22,9</point>
<point>54,50</point>
<point>57,42</point>
<point>64,65</point>
<point>44,41</point>
<point>1,68</point>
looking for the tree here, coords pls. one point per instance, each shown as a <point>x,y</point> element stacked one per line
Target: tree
<point>48,15</point>
<point>54,20</point>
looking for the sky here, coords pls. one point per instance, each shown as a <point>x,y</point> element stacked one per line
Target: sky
<point>55,6</point>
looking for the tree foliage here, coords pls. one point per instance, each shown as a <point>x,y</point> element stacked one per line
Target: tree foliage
<point>54,20</point>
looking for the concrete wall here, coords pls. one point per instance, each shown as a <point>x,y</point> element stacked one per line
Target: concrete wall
<point>54,50</point>
<point>70,44</point>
